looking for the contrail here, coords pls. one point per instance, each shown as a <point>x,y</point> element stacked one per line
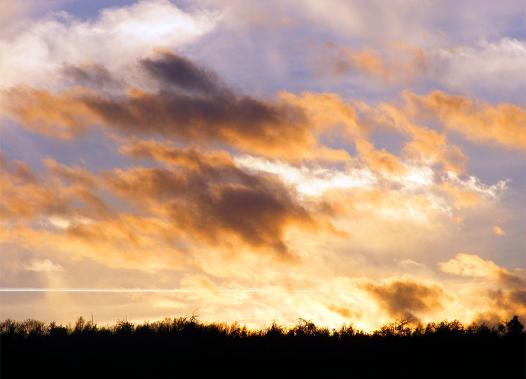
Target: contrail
<point>145,290</point>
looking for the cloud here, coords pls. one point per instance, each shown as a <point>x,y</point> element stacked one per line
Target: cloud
<point>352,20</point>
<point>471,265</point>
<point>207,195</point>
<point>24,196</point>
<point>500,67</point>
<point>74,175</point>
<point>342,311</point>
<point>242,121</point>
<point>89,75</point>
<point>116,39</point>
<point>407,299</point>
<point>430,24</point>
<point>15,10</point>
<point>403,64</point>
<point>193,105</point>
<point>470,192</point>
<point>62,222</point>
<point>327,110</point>
<point>44,265</point>
<point>171,69</point>
<point>498,231</point>
<point>190,158</point>
<point>512,302</point>
<point>502,124</point>
<point>425,144</point>
<point>62,116</point>
<point>310,181</point>
<point>380,160</point>
<point>198,199</point>
<point>66,193</point>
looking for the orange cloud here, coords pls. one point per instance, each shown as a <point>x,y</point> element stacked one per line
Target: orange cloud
<point>369,62</point>
<point>63,116</point>
<point>425,144</point>
<point>206,195</point>
<point>503,124</point>
<point>402,64</point>
<point>67,191</point>
<point>461,197</point>
<point>498,231</point>
<point>22,194</point>
<point>326,111</point>
<point>503,293</point>
<point>380,160</point>
<point>200,199</point>
<point>472,265</point>
<point>192,104</point>
<point>407,299</point>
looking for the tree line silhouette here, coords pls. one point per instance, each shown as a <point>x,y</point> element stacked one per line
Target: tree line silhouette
<point>183,347</point>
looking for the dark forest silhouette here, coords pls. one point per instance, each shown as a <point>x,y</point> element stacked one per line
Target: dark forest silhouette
<point>185,347</point>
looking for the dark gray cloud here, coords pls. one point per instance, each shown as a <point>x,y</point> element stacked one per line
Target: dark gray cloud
<point>170,69</point>
<point>89,75</point>
<point>511,280</point>
<point>406,299</point>
<point>206,195</point>
<point>241,120</point>
<point>518,297</point>
<point>192,105</point>
<point>28,195</point>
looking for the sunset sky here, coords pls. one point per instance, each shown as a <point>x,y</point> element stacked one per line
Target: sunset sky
<point>257,161</point>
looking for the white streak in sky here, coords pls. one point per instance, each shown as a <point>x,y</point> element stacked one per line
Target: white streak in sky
<point>143,290</point>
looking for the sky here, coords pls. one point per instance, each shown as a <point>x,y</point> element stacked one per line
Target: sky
<point>344,162</point>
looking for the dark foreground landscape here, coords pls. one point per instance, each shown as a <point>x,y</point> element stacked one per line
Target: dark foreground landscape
<point>184,347</point>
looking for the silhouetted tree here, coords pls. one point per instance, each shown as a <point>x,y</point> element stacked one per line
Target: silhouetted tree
<point>186,347</point>
<point>514,327</point>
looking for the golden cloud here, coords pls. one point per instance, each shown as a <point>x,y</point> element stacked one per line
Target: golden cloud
<point>502,124</point>
<point>206,195</point>
<point>192,104</point>
<point>472,265</point>
<point>407,299</point>
<point>402,64</point>
<point>425,144</point>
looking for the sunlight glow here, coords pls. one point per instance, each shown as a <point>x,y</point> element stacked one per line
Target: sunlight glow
<point>310,181</point>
